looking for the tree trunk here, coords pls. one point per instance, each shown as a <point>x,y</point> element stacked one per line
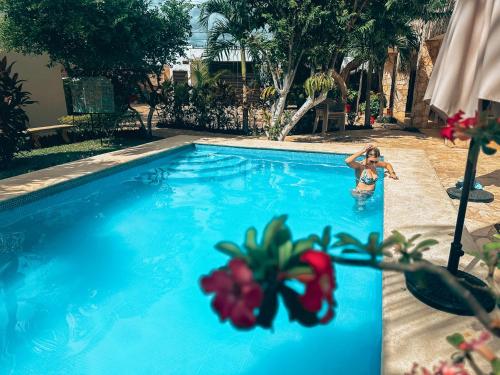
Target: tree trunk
<point>311,103</point>
<point>139,116</point>
<point>308,104</point>
<point>150,120</point>
<point>278,110</point>
<point>245,89</point>
<point>360,89</point>
<point>367,93</point>
<point>381,96</point>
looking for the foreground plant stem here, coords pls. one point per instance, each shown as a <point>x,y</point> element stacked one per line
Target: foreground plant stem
<point>481,314</point>
<point>473,364</point>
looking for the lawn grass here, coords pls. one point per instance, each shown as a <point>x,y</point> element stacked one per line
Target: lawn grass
<point>47,157</point>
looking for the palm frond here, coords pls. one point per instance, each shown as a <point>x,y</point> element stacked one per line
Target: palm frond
<point>211,8</point>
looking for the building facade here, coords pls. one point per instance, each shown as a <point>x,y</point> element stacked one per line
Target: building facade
<point>45,85</point>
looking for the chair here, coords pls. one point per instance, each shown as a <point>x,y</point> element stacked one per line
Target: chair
<point>326,111</point>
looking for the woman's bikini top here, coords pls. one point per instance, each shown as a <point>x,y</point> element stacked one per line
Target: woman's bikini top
<point>366,179</point>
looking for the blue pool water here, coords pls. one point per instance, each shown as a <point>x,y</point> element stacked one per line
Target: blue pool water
<point>103,278</point>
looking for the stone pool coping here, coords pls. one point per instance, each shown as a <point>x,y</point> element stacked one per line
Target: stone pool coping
<point>417,203</point>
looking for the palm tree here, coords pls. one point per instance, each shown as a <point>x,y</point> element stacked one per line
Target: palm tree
<point>393,26</point>
<point>229,32</point>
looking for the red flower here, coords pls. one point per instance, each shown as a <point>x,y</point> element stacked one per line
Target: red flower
<point>468,122</point>
<point>457,117</point>
<point>448,132</point>
<point>236,293</point>
<point>457,126</point>
<point>320,285</point>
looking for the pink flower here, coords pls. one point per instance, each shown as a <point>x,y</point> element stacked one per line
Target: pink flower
<point>237,295</point>
<point>320,285</point>
<point>476,343</point>
<point>444,368</point>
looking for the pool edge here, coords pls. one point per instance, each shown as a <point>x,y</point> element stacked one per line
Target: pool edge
<point>419,188</point>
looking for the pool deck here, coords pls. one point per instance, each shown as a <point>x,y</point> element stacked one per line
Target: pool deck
<point>416,203</point>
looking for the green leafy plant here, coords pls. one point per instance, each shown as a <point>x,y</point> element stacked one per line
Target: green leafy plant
<point>209,103</point>
<point>13,117</point>
<point>231,27</point>
<point>374,104</point>
<point>132,39</point>
<point>247,288</point>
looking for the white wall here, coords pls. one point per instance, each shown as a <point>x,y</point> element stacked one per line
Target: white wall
<point>45,85</point>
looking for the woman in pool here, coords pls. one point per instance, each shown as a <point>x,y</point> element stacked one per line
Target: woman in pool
<point>366,170</point>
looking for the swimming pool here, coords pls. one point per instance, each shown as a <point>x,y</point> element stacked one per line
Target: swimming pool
<point>103,277</point>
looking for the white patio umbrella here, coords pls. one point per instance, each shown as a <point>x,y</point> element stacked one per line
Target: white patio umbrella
<point>466,71</point>
<point>468,66</point>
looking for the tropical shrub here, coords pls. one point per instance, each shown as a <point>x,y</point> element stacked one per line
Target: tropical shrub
<point>208,104</point>
<point>388,120</point>
<point>13,118</point>
<point>374,104</point>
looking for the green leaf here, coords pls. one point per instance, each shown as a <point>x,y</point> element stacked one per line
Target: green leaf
<point>455,340</point>
<point>302,245</point>
<point>389,242</point>
<point>326,238</point>
<point>285,252</point>
<point>414,238</point>
<point>282,236</point>
<point>373,242</point>
<point>495,365</point>
<point>488,150</point>
<point>347,239</point>
<point>230,248</point>
<point>492,246</point>
<point>425,244</point>
<point>298,271</point>
<point>398,237</point>
<point>250,239</point>
<point>271,230</point>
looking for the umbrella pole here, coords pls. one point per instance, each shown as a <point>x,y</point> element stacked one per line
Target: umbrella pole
<point>429,288</point>
<point>456,247</point>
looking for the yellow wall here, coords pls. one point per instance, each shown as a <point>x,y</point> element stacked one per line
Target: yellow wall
<point>45,86</point>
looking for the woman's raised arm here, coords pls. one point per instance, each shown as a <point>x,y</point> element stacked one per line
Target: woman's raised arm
<point>351,160</point>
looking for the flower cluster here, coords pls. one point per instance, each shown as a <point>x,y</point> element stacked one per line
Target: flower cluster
<point>246,290</point>
<point>236,293</point>
<point>484,129</point>
<point>475,343</point>
<point>458,127</point>
<point>444,368</point>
